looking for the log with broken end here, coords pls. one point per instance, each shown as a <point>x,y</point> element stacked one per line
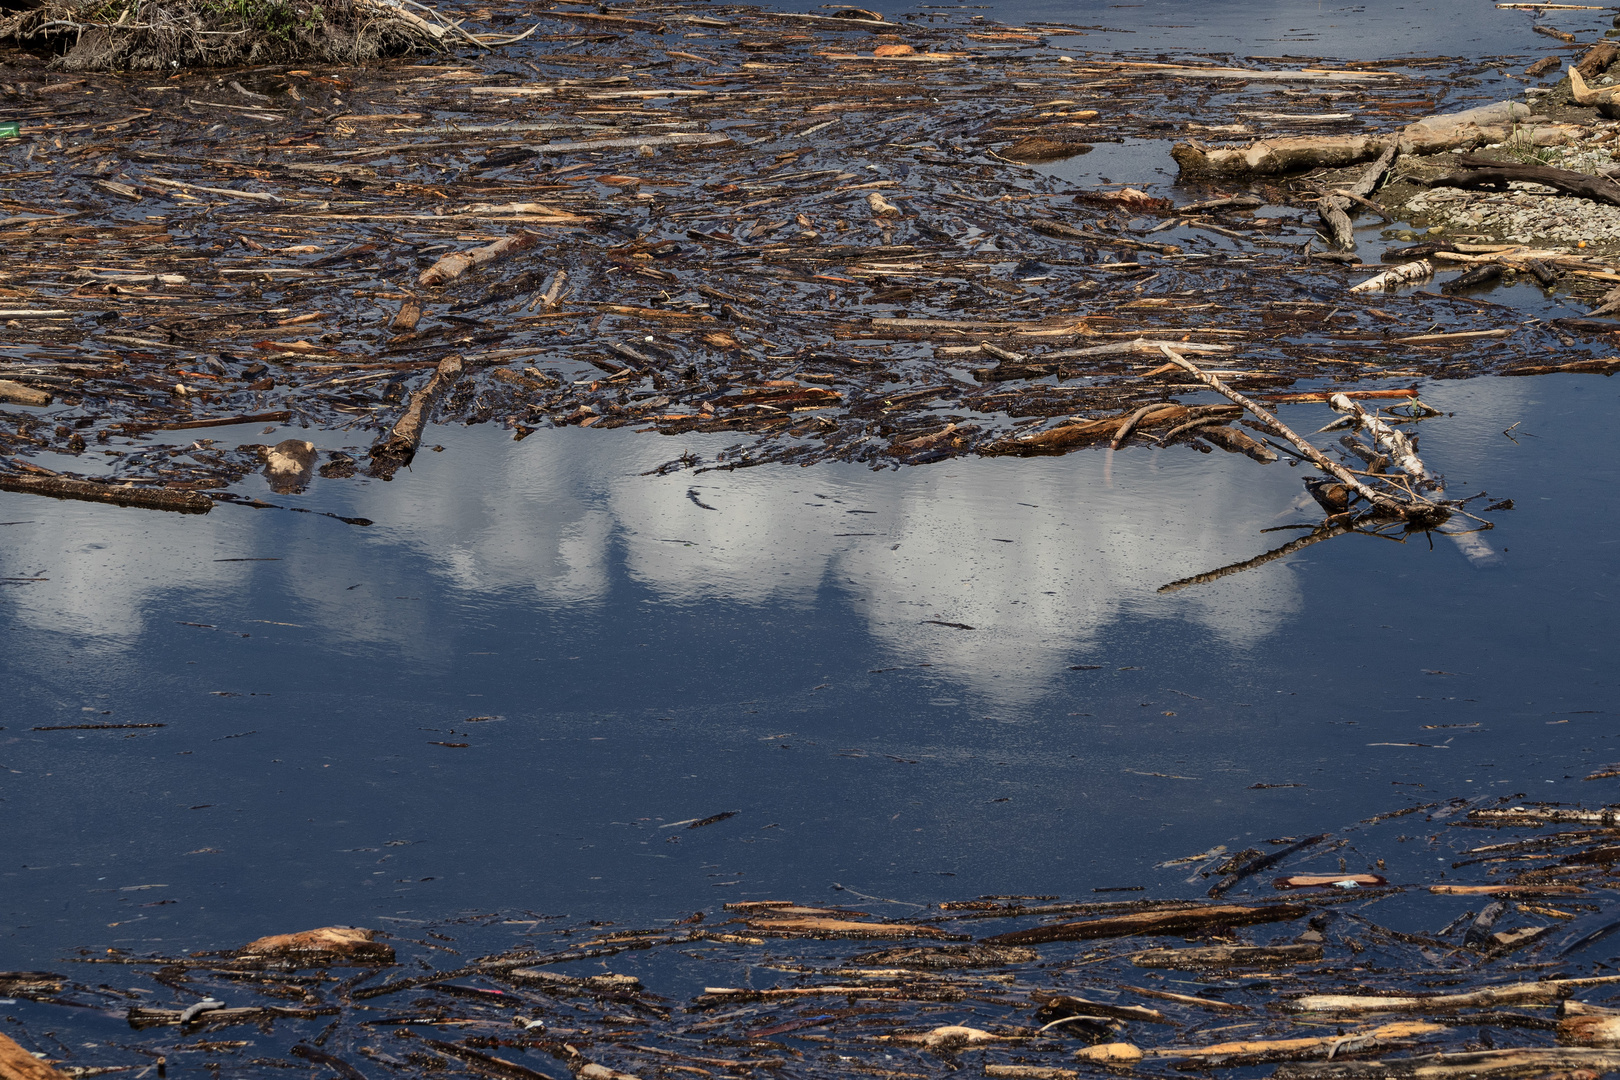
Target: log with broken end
<point>1334,208</point>
<point>1417,270</point>
<point>452,266</point>
<point>398,447</point>
<point>1430,135</point>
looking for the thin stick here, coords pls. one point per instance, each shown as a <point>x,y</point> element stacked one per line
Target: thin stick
<point>1316,536</point>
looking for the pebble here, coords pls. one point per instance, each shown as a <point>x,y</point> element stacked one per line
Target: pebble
<point>1530,213</point>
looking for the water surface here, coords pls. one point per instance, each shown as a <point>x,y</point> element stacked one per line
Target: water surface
<point>499,694</point>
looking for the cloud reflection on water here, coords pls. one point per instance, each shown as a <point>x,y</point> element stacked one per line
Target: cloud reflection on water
<point>1039,556</point>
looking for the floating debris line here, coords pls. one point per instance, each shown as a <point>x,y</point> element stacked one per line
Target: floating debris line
<point>1495,967</point>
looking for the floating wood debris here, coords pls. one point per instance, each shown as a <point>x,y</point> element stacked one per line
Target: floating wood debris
<point>1322,985</point>
<point>758,241</point>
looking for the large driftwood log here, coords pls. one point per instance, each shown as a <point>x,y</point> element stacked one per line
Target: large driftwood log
<point>1431,135</point>
<point>453,265</point>
<point>1597,59</point>
<point>398,447</point>
<point>1477,173</point>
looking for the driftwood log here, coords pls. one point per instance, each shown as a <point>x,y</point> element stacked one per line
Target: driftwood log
<point>148,498</point>
<point>1431,135</point>
<point>452,266</point>
<point>1603,99</point>
<point>1334,209</point>
<point>1225,956</point>
<point>141,1018</point>
<point>18,1064</point>
<point>1533,993</point>
<point>1480,173</point>
<point>398,447</point>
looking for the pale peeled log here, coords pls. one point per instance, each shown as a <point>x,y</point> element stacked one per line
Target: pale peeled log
<point>1110,1054</point>
<point>593,1071</point>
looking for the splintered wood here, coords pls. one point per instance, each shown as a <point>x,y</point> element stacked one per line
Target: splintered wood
<point>1300,973</point>
<point>814,233</point>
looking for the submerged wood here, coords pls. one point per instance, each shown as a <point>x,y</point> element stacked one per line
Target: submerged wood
<point>148,498</point>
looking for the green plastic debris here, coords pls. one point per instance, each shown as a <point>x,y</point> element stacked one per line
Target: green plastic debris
<point>12,130</point>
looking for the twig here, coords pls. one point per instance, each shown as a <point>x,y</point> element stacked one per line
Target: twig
<point>1124,429</point>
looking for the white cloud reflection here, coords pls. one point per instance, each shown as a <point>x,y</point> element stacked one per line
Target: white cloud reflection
<point>1040,556</point>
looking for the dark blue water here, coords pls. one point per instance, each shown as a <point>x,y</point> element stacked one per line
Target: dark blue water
<point>1276,28</point>
<point>617,658</point>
